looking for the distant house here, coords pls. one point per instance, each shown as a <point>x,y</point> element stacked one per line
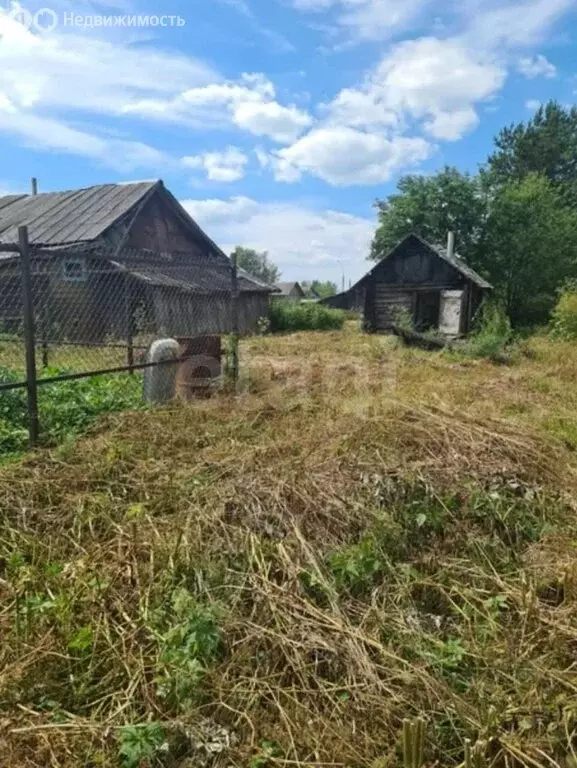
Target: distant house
<point>429,282</point>
<point>290,291</point>
<point>116,258</point>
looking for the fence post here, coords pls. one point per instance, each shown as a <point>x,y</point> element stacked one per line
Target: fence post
<point>29,340</point>
<point>234,322</point>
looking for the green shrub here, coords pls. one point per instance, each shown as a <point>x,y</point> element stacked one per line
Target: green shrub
<point>493,335</point>
<point>564,319</point>
<point>290,316</point>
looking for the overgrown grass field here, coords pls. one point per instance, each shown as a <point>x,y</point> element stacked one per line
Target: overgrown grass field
<point>364,534</point>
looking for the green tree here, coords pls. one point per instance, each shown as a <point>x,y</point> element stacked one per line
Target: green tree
<point>546,144</point>
<point>257,264</point>
<point>320,288</point>
<point>531,247</point>
<point>431,206</point>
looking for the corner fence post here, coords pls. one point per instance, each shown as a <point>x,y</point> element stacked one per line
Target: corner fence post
<point>234,322</point>
<point>29,340</point>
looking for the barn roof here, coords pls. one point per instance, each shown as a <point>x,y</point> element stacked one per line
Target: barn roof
<point>196,276</point>
<point>455,261</point>
<point>286,289</point>
<point>74,216</point>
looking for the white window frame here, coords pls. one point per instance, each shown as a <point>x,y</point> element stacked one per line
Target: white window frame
<point>78,261</point>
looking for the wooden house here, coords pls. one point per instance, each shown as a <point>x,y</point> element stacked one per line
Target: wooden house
<point>430,283</point>
<point>117,259</point>
<point>290,291</point>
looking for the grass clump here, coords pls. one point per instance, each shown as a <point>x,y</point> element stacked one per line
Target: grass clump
<point>287,575</point>
<point>492,337</point>
<point>564,318</point>
<point>292,316</point>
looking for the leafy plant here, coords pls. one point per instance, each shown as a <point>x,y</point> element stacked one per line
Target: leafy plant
<point>291,316</point>
<point>403,319</point>
<point>267,749</point>
<point>190,644</point>
<point>65,408</point>
<point>356,566</point>
<point>493,335</point>
<point>564,319</point>
<point>139,744</point>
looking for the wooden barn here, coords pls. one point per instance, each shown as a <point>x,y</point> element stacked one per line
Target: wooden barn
<point>119,260</point>
<point>430,282</point>
<point>290,291</point>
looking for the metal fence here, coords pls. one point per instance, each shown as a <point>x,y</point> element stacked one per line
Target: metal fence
<point>68,314</point>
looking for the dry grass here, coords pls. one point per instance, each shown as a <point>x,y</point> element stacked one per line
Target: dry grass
<point>364,534</point>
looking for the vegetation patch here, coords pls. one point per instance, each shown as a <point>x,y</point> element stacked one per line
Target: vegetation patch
<point>293,316</point>
<point>66,409</point>
<point>285,576</point>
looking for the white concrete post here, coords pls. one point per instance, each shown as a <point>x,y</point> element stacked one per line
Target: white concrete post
<point>160,381</point>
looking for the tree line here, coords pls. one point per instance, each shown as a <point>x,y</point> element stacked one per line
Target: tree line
<point>515,220</point>
<point>259,265</point>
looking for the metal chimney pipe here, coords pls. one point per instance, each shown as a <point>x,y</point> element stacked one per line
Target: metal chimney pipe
<point>34,185</point>
<point>451,245</point>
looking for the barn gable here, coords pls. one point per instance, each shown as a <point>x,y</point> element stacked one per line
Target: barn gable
<point>435,288</point>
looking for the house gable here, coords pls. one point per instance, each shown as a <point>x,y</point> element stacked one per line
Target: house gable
<point>414,263</point>
<point>158,228</point>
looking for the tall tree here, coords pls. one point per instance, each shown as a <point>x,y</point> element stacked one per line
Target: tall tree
<point>257,264</point>
<point>531,239</point>
<point>546,144</point>
<point>431,206</point>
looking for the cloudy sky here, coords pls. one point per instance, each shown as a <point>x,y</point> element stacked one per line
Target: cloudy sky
<point>276,122</point>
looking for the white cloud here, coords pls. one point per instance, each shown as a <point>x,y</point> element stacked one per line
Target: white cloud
<point>364,138</point>
<point>452,125</point>
<point>512,23</point>
<point>306,244</point>
<point>434,81</point>
<point>538,66</point>
<point>368,19</point>
<point>249,103</point>
<point>84,72</point>
<point>438,80</point>
<point>51,86</point>
<point>361,108</point>
<point>226,166</point>
<point>532,104</point>
<point>50,134</point>
<point>345,156</point>
<point>283,124</point>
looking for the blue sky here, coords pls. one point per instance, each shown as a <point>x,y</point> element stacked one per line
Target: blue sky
<point>276,122</point>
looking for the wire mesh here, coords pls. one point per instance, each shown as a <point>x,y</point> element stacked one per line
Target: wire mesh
<point>101,311</point>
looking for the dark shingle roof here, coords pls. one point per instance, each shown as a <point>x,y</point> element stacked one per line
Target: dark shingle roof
<point>457,262</point>
<point>75,216</point>
<point>193,275</point>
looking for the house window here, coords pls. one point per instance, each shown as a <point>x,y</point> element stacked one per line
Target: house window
<point>74,270</point>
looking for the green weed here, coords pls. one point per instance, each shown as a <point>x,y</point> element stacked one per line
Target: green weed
<point>287,316</point>
<point>140,744</point>
<point>66,409</point>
